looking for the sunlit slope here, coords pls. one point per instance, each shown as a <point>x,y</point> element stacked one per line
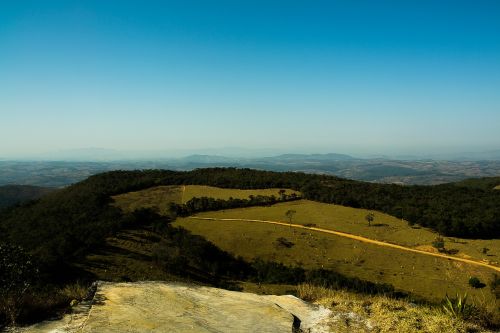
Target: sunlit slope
<point>192,191</point>
<point>423,275</point>
<point>352,220</point>
<point>420,274</point>
<point>161,196</point>
<point>155,197</point>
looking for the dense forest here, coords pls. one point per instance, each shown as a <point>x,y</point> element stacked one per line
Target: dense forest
<point>14,194</point>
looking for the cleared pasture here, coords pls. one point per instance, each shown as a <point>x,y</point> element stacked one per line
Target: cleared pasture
<point>352,220</point>
<point>422,275</point>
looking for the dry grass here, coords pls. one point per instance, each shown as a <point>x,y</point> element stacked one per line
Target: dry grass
<point>419,274</point>
<point>76,291</point>
<point>352,220</point>
<point>156,197</point>
<point>160,197</point>
<point>362,313</point>
<point>192,191</point>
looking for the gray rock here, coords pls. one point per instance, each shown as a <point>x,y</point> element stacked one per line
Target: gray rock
<point>171,307</point>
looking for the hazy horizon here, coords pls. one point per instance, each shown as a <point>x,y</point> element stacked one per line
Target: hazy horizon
<point>386,78</point>
<point>95,154</point>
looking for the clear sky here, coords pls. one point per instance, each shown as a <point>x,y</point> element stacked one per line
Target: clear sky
<point>347,76</point>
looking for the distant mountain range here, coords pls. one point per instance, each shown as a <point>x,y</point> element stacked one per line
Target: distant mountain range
<point>237,154</point>
<point>382,170</point>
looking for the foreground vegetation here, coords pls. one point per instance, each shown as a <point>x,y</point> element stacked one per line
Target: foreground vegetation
<point>380,313</point>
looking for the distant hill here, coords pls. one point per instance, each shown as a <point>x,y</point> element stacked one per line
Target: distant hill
<point>52,173</point>
<point>13,194</point>
<point>312,157</point>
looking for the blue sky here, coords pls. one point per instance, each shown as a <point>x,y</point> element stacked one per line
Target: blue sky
<point>360,77</point>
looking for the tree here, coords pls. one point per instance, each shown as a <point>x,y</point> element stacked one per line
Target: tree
<point>282,195</point>
<point>438,243</point>
<point>369,218</point>
<point>289,215</point>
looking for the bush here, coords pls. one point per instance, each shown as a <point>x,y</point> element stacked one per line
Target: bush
<point>283,242</point>
<point>457,307</point>
<point>438,243</point>
<point>474,282</point>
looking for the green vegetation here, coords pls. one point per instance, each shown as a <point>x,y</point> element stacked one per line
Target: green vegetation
<point>474,282</point>
<point>386,314</point>
<point>158,197</point>
<point>289,214</point>
<point>369,218</point>
<point>15,194</point>
<point>205,204</point>
<point>485,183</point>
<point>458,307</point>
<point>438,243</point>
<point>198,191</point>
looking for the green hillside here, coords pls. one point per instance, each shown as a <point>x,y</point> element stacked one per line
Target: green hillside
<point>14,194</point>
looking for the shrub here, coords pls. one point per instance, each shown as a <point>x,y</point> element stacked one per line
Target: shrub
<point>283,242</point>
<point>457,307</point>
<point>438,243</point>
<point>495,285</point>
<point>474,282</point>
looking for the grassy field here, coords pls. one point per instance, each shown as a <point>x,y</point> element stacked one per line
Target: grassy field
<point>352,220</point>
<point>156,197</point>
<point>421,275</point>
<point>159,197</point>
<point>192,191</point>
<point>497,187</point>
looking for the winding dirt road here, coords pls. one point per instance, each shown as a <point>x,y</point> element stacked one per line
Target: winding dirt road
<point>358,238</point>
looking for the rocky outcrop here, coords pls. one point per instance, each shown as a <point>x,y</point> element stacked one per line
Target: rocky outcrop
<point>171,307</point>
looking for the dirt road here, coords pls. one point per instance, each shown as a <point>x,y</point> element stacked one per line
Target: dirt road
<point>358,238</point>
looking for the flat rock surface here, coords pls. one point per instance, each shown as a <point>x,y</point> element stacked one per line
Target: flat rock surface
<point>170,307</point>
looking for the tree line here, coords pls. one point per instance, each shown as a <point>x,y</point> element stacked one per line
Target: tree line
<point>203,204</point>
